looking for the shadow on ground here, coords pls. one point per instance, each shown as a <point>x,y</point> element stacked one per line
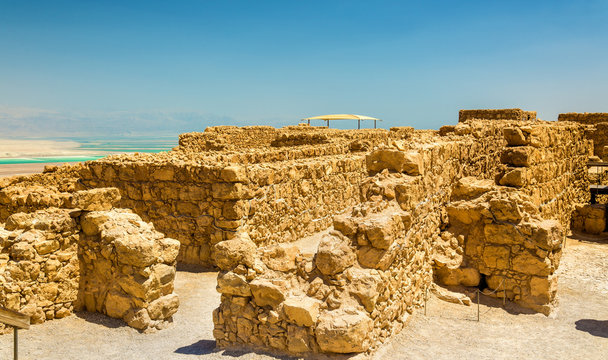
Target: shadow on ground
<point>594,327</point>
<point>100,319</point>
<point>201,347</point>
<point>205,347</point>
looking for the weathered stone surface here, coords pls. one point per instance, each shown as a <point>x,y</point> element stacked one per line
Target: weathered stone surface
<point>400,161</point>
<point>268,292</point>
<point>343,331</point>
<point>302,310</point>
<point>96,199</point>
<point>232,284</point>
<point>163,308</point>
<point>280,257</point>
<point>334,255</point>
<point>230,253</point>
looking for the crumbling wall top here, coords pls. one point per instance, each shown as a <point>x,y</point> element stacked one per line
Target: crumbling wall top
<point>496,114</point>
<point>584,118</point>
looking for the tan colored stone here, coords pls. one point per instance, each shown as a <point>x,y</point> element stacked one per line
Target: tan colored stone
<point>164,307</point>
<point>268,292</point>
<point>230,253</point>
<point>343,331</point>
<point>529,264</point>
<point>334,255</point>
<point>232,284</point>
<point>302,310</point>
<point>280,257</point>
<point>409,162</point>
<point>117,304</point>
<point>96,199</point>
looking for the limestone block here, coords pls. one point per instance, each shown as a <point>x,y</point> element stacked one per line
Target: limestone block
<point>516,156</point>
<point>228,191</point>
<point>164,173</point>
<point>345,224</point>
<point>496,257</point>
<point>470,187</point>
<point>364,284</point>
<point>529,264</point>
<point>301,310</point>
<point>117,304</point>
<point>91,222</point>
<point>138,319</point>
<point>297,339</point>
<point>458,276</point>
<point>280,257</point>
<point>544,287</point>
<point>547,234</point>
<point>268,292</point>
<point>334,255</point>
<point>136,249</point>
<point>503,234</point>
<point>505,209</point>
<point>96,199</point>
<point>164,307</point>
<point>230,253</point>
<point>380,259</point>
<point>343,331</point>
<point>233,173</point>
<point>515,177</point>
<point>514,136</point>
<point>400,161</point>
<point>232,284</point>
<point>464,212</point>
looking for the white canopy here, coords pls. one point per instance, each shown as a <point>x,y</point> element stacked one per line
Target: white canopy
<point>342,117</point>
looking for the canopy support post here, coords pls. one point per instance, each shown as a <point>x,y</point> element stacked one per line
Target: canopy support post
<point>359,124</point>
<point>327,123</point>
<point>308,122</point>
<point>374,124</point>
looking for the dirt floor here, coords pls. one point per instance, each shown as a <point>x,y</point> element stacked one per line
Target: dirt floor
<point>578,330</point>
<point>23,169</point>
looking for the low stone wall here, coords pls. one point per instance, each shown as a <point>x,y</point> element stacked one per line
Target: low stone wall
<point>547,161</point>
<point>127,269</point>
<point>590,219</point>
<point>497,233</point>
<point>597,130</point>
<point>496,114</point>
<point>584,118</point>
<point>39,268</point>
<point>53,261</point>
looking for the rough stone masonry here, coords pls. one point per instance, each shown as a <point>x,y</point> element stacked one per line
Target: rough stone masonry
<point>326,240</point>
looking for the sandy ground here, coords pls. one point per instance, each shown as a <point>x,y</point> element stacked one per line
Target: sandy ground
<point>579,328</point>
<point>23,169</point>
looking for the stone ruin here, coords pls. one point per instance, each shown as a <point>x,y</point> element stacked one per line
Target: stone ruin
<point>325,240</point>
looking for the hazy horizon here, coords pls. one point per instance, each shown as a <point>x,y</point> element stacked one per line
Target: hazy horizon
<point>116,68</point>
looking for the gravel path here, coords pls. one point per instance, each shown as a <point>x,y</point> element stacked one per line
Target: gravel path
<point>579,329</point>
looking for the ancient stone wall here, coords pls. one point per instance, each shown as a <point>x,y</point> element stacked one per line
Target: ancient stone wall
<point>87,256</point>
<point>584,118</point>
<point>350,288</point>
<point>496,114</point>
<point>547,161</point>
<point>497,233</point>
<point>280,184</point>
<point>597,130</point>
<point>39,268</point>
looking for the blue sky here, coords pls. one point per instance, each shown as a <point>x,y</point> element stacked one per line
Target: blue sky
<point>171,66</point>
